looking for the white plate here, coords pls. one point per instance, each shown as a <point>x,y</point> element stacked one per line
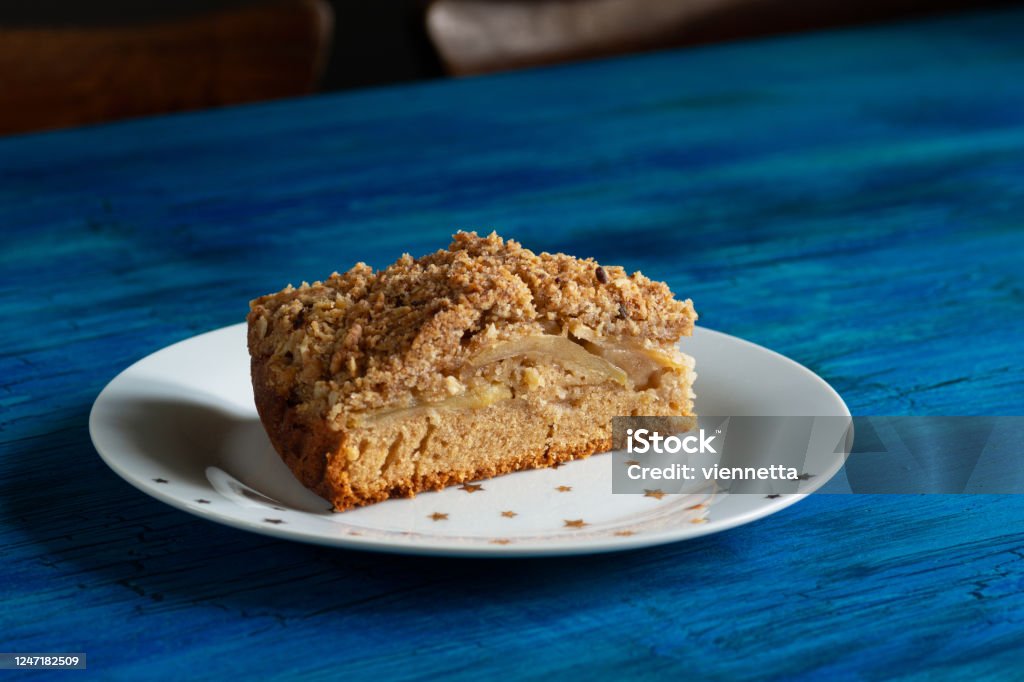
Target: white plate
<point>180,425</point>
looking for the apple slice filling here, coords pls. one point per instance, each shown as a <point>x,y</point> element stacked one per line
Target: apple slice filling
<point>632,367</point>
<point>555,349</point>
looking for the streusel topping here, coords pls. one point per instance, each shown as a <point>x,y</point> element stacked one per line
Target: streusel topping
<point>400,336</point>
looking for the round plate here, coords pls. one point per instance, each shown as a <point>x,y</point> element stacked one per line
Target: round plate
<point>180,425</point>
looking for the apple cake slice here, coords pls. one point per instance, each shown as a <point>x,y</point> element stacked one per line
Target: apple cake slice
<point>464,364</point>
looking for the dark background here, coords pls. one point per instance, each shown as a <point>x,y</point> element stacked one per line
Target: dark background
<point>375,41</point>
<point>385,41</point>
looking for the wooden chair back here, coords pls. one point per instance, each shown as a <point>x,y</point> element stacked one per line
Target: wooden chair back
<point>66,76</point>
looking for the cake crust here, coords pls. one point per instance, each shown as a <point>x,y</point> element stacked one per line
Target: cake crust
<point>363,340</point>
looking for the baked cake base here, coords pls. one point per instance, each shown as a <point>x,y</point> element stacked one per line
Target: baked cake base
<point>401,454</point>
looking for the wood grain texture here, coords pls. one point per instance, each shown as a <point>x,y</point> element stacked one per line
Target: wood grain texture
<point>852,199</point>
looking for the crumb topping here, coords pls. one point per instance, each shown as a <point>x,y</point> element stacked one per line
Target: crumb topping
<point>365,340</point>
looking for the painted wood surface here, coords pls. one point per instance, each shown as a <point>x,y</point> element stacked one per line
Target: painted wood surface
<point>852,199</point>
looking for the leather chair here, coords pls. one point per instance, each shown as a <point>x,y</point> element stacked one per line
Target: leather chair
<point>479,36</point>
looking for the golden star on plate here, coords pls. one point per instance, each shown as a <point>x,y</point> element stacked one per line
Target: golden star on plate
<point>500,541</point>
<point>631,462</point>
<point>698,520</point>
<point>656,494</point>
<point>575,523</point>
<point>624,533</point>
<point>696,506</point>
<point>564,488</point>
<point>472,487</point>
<point>438,516</point>
<point>509,514</point>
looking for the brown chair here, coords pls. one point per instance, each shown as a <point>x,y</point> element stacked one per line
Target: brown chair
<point>479,36</point>
<point>65,76</point>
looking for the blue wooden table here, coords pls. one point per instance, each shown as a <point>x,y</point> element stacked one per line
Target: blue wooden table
<point>853,199</point>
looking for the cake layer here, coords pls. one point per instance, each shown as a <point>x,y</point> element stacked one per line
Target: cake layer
<point>397,454</point>
<point>474,361</point>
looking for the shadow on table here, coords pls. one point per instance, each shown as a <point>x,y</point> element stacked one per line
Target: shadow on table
<point>111,538</point>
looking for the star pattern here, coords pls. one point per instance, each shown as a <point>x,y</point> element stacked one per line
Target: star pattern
<point>160,480</point>
<point>805,476</point>
<point>509,514</point>
<point>772,496</point>
<point>631,462</point>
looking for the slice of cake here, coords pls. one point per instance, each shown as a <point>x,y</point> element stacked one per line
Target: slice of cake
<point>461,365</point>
